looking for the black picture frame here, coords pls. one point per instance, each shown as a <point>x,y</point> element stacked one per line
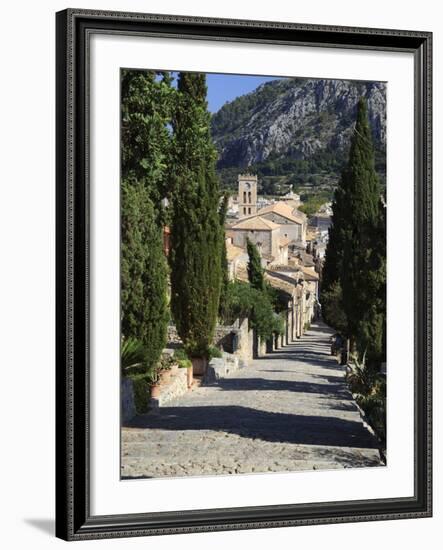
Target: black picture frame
<point>74,521</point>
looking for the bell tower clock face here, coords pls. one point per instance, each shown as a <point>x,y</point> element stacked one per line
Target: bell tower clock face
<point>247,186</point>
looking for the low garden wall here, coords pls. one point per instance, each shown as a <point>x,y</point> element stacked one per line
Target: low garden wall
<point>177,386</point>
<point>128,410</point>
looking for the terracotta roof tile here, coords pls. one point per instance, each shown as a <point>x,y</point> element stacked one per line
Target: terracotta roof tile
<point>255,223</point>
<point>285,210</point>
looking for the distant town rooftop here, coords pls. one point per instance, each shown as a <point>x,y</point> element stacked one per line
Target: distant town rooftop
<point>255,223</point>
<point>284,210</point>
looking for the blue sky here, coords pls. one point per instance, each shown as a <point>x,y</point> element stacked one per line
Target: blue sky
<point>226,87</point>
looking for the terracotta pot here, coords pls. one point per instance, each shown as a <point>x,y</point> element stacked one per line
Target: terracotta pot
<point>155,391</point>
<point>199,365</point>
<point>189,376</point>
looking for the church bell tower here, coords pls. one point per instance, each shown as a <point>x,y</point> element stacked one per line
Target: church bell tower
<point>247,195</point>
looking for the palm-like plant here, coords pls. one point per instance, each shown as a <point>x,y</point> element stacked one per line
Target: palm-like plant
<point>360,377</point>
<point>369,390</point>
<point>134,356</point>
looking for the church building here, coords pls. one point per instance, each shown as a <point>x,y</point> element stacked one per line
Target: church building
<point>247,195</point>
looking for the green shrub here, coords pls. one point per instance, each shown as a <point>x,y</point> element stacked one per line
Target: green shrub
<point>245,301</point>
<point>142,387</point>
<point>166,362</point>
<point>369,389</point>
<point>279,324</point>
<point>214,352</point>
<point>182,359</point>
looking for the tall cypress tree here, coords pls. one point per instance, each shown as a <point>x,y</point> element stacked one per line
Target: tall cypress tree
<point>145,111</point>
<point>331,290</point>
<point>196,230</point>
<point>354,274</point>
<point>255,270</point>
<point>362,268</point>
<point>223,256</point>
<point>144,304</point>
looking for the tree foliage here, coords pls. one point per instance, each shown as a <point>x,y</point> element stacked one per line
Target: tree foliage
<point>145,111</point>
<point>144,307</point>
<point>197,234</point>
<point>356,252</point>
<point>223,254</point>
<point>147,100</point>
<point>255,271</point>
<point>243,300</point>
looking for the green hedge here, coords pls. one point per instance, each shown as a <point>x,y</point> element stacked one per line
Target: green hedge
<point>142,389</point>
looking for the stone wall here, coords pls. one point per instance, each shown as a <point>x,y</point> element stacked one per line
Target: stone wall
<point>220,367</point>
<point>234,338</point>
<point>127,400</point>
<point>176,387</point>
<point>244,341</point>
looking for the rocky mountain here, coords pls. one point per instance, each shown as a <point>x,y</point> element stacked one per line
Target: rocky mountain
<point>297,128</point>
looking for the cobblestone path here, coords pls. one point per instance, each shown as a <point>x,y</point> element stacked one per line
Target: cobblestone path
<point>288,411</point>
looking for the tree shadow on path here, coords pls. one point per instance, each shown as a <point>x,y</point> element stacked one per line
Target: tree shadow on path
<point>257,424</point>
<point>331,389</point>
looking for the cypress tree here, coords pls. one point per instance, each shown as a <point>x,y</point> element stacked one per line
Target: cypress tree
<point>144,154</point>
<point>362,243</point>
<point>196,230</point>
<point>144,304</point>
<point>223,257</point>
<point>331,291</point>
<point>255,270</point>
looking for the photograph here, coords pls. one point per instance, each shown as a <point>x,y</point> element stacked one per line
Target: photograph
<point>253,214</point>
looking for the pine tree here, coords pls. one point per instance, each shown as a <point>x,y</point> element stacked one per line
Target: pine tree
<point>196,230</point>
<point>255,271</point>
<point>145,150</point>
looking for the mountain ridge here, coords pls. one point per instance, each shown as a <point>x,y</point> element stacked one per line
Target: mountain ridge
<point>297,128</point>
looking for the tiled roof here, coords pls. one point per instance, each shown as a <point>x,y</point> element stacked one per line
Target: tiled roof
<point>280,282</point>
<point>284,210</point>
<point>285,268</point>
<point>233,251</point>
<point>255,223</point>
<point>309,273</point>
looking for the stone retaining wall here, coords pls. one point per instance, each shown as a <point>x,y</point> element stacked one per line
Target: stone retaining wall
<point>220,367</point>
<point>127,400</point>
<point>176,387</point>
<point>235,338</point>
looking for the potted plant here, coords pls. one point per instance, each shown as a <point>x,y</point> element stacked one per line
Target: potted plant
<point>155,384</point>
<point>164,368</point>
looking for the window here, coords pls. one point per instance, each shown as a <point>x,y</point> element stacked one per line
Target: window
<point>249,197</point>
<point>244,196</point>
<point>249,210</point>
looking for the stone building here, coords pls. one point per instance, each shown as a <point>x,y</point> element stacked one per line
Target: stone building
<point>247,195</point>
<point>293,222</point>
<point>237,258</point>
<point>265,234</point>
